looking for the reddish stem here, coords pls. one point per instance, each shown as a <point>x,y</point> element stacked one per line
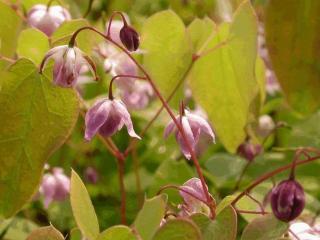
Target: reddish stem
<point>271,174</point>
<point>166,106</point>
<point>111,19</point>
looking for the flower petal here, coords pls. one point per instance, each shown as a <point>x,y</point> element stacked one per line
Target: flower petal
<point>96,117</point>
<point>202,123</point>
<point>170,127</point>
<point>122,110</point>
<point>189,137</point>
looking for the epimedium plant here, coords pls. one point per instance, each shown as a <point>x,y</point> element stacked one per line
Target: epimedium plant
<point>220,64</point>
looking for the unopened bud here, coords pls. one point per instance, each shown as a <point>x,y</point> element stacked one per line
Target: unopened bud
<point>129,38</point>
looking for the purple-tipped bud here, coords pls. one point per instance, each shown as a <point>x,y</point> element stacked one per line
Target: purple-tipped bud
<point>107,117</point>
<point>91,175</point>
<point>192,125</point>
<point>287,200</point>
<point>249,150</point>
<point>55,186</point>
<point>47,19</point>
<point>68,64</point>
<point>189,189</point>
<point>129,38</point>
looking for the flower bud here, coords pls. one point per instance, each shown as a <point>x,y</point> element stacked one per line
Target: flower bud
<point>266,125</point>
<point>287,200</point>
<point>129,38</point>
<point>249,151</point>
<point>47,19</point>
<point>91,175</point>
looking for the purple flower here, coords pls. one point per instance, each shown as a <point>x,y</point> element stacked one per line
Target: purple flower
<point>193,204</point>
<point>129,38</point>
<point>107,117</point>
<point>192,125</point>
<point>249,150</point>
<point>287,200</point>
<point>68,64</point>
<point>138,96</point>
<point>91,175</point>
<point>55,186</point>
<point>47,19</point>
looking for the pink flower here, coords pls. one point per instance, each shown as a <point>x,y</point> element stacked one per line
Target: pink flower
<point>68,64</point>
<point>138,97</point>
<point>193,204</point>
<point>107,117</point>
<point>121,64</point>
<point>47,19</point>
<point>192,125</point>
<point>249,150</point>
<point>304,231</point>
<point>55,186</point>
<point>91,175</point>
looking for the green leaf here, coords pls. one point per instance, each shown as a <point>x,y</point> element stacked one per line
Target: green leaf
<point>9,29</point>
<point>45,233</point>
<point>199,32</point>
<point>85,39</point>
<point>224,203</point>
<point>168,52</point>
<point>150,216</point>
<point>292,36</point>
<point>119,232</point>
<point>223,83</point>
<point>33,44</point>
<point>223,227</point>
<point>178,229</point>
<point>36,118</point>
<point>264,228</point>
<point>82,208</point>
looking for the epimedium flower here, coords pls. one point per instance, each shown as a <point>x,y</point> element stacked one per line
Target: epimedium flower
<point>304,231</point>
<point>68,64</point>
<point>287,200</point>
<point>108,116</point>
<point>191,205</point>
<point>91,175</point>
<point>55,186</point>
<point>47,19</point>
<point>266,125</point>
<point>192,126</point>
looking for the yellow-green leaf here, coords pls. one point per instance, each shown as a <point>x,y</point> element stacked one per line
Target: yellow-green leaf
<point>82,208</point>
<point>36,118</point>
<point>119,232</point>
<point>45,233</point>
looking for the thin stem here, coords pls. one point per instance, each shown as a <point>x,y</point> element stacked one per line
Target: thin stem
<point>51,1</point>
<point>202,54</point>
<point>119,76</point>
<point>120,162</point>
<point>250,212</point>
<point>88,9</point>
<point>293,234</point>
<point>137,176</point>
<point>111,19</point>
<point>242,175</point>
<point>269,175</point>
<point>256,201</point>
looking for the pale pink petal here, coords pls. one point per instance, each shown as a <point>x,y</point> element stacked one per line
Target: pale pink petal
<point>197,121</point>
<point>96,117</point>
<point>189,136</point>
<point>122,110</point>
<point>170,127</point>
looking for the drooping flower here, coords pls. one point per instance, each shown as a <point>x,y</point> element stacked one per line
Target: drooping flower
<point>138,96</point>
<point>55,186</point>
<point>91,175</point>
<point>249,150</point>
<point>192,126</point>
<point>47,19</point>
<point>191,205</point>
<point>129,38</point>
<point>68,64</point>
<point>107,117</point>
<point>287,200</point>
